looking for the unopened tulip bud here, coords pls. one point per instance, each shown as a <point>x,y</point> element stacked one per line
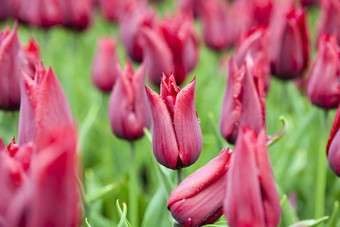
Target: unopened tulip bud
<point>176,134</point>
<point>329,20</point>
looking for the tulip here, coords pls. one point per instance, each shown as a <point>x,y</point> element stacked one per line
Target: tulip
<point>105,66</point>
<point>32,55</point>
<point>5,9</point>
<point>172,48</point>
<point>176,134</point>
<point>110,9</point>
<point>198,200</point>
<point>309,2</point>
<point>134,19</point>
<point>192,7</point>
<point>289,44</point>
<point>44,106</point>
<point>243,102</point>
<point>76,14</point>
<point>333,148</point>
<point>128,111</point>
<point>329,19</point>
<point>254,44</point>
<point>323,85</point>
<point>52,180</point>
<point>251,197</point>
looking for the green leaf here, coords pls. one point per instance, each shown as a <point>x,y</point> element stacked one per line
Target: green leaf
<point>156,210</point>
<point>333,221</point>
<point>283,200</point>
<point>100,193</point>
<point>274,138</point>
<point>87,223</point>
<point>122,214</point>
<point>311,222</point>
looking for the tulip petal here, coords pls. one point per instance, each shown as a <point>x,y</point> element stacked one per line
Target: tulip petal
<point>187,128</point>
<point>164,142</point>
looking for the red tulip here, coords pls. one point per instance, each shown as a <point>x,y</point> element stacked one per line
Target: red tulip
<point>309,2</point>
<point>128,111</point>
<point>192,7</point>
<point>5,9</point>
<point>32,55</point>
<point>289,45</point>
<point>76,14</point>
<point>105,65</point>
<point>44,106</point>
<point>52,180</point>
<point>323,85</point>
<point>198,200</point>
<point>176,134</point>
<point>173,48</point>
<point>251,198</point>
<point>243,103</point>
<point>333,147</point>
<point>131,23</point>
<point>329,20</point>
<point>254,44</point>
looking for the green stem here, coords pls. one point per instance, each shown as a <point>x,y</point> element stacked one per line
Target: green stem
<point>179,176</point>
<point>133,188</point>
<point>321,176</point>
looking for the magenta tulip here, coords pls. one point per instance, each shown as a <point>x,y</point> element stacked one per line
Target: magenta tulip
<point>289,44</point>
<point>52,180</point>
<point>333,148</point>
<point>243,103</point>
<point>176,134</point>
<point>128,108</point>
<point>251,197</point>
<point>5,9</point>
<point>44,106</point>
<point>329,20</point>
<point>198,200</point>
<point>105,65</point>
<point>323,85</point>
<point>76,14</point>
<point>132,21</point>
<point>309,2</point>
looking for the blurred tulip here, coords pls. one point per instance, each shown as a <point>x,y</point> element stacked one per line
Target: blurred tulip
<point>128,111</point>
<point>198,200</point>
<point>309,2</point>
<point>244,103</point>
<point>157,55</point>
<point>176,134</point>
<point>251,197</point>
<point>333,148</point>
<point>52,180</point>
<point>329,19</point>
<point>44,106</point>
<point>5,9</point>
<point>323,85</point>
<point>192,7</point>
<point>289,44</point>
<point>253,44</point>
<point>105,66</point>
<point>76,14</point>
<point>32,54</point>
<point>131,23</point>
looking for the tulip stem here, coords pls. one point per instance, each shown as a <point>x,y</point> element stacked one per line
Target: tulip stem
<point>321,176</point>
<point>179,176</point>
<point>133,186</point>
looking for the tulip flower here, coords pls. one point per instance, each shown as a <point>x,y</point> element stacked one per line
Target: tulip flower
<point>105,66</point>
<point>309,2</point>
<point>329,20</point>
<point>5,9</point>
<point>289,44</point>
<point>198,200</point>
<point>110,9</point>
<point>243,102</point>
<point>323,85</point>
<point>192,7</point>
<point>133,20</point>
<point>128,111</point>
<point>173,47</point>
<point>32,55</point>
<point>52,180</point>
<point>44,105</point>
<point>251,197</point>
<point>176,134</point>
<point>333,149</point>
<point>254,44</point>
<point>76,14</point>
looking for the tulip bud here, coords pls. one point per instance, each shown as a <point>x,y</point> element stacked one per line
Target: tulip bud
<point>253,44</point>
<point>329,20</point>
<point>176,134</point>
<point>32,56</point>
<point>105,67</point>
<point>128,111</point>
<point>135,19</point>
<point>251,197</point>
<point>52,180</point>
<point>323,85</point>
<point>309,2</point>
<point>198,200</point>
<point>5,9</point>
<point>243,103</point>
<point>289,44</point>
<point>44,106</point>
<point>76,14</point>
<point>333,148</point>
